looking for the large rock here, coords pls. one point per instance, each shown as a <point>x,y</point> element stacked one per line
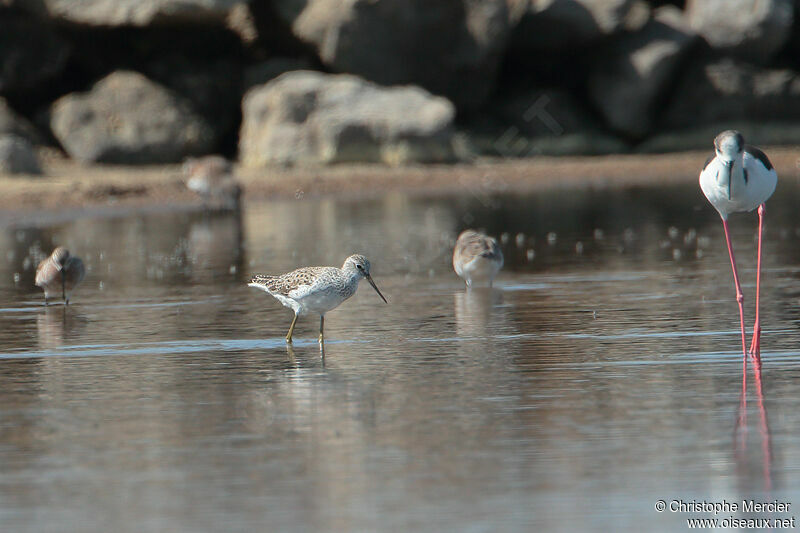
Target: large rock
<point>629,80</point>
<point>450,47</point>
<point>567,24</point>
<point>127,118</point>
<point>17,156</point>
<point>539,121</point>
<point>14,124</point>
<point>131,12</point>
<point>728,90</point>
<point>213,86</point>
<point>264,33</point>
<point>31,53</point>
<point>242,22</point>
<point>308,118</point>
<point>265,71</point>
<point>542,112</point>
<point>748,29</point>
<point>203,65</point>
<point>763,133</point>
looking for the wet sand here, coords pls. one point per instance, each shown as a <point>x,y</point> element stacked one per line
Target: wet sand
<point>70,185</point>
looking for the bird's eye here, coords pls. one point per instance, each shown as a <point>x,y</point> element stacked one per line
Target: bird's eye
<point>360,267</point>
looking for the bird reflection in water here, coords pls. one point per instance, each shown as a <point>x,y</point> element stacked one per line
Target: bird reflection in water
<point>215,245</point>
<point>740,431</point>
<point>54,324</point>
<point>296,363</point>
<point>473,310</point>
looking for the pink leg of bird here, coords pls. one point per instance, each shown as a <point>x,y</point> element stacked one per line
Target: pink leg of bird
<point>740,431</point>
<point>755,346</point>
<point>739,295</point>
<point>766,446</point>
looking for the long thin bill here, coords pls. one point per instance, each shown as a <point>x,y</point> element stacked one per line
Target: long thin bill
<point>369,278</point>
<point>727,174</point>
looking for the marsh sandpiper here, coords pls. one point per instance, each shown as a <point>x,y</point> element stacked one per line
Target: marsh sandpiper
<point>61,271</point>
<point>476,257</point>
<point>737,178</point>
<point>316,290</point>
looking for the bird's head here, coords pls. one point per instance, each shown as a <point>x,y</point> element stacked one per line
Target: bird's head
<point>358,265</point>
<point>729,146</point>
<point>60,257</point>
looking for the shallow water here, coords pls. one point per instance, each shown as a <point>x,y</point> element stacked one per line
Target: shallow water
<point>594,380</point>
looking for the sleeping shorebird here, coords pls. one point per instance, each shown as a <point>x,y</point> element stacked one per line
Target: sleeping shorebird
<point>476,257</point>
<point>212,178</point>
<point>61,270</point>
<point>738,178</point>
<point>317,290</point>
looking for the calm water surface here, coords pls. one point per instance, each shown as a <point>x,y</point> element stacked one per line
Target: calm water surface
<point>602,374</point>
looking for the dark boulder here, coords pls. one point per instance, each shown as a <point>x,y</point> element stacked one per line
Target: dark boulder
<point>629,81</point>
<point>450,47</point>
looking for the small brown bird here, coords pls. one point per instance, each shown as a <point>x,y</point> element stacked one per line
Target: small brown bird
<point>212,178</point>
<point>61,270</point>
<point>476,257</point>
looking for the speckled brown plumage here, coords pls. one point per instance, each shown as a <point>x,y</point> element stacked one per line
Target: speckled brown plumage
<point>471,244</point>
<point>286,283</point>
<point>476,256</point>
<point>60,273</point>
<point>316,290</point>
<point>213,179</point>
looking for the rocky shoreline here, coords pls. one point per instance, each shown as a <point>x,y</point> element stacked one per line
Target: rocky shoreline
<point>278,83</point>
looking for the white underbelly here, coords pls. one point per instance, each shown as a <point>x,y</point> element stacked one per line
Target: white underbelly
<point>322,302</point>
<point>479,268</point>
<point>304,302</point>
<point>744,196</point>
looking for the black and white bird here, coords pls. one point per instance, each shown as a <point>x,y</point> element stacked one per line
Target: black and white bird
<point>739,178</point>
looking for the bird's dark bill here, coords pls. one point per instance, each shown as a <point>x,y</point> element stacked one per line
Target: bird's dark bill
<point>369,278</point>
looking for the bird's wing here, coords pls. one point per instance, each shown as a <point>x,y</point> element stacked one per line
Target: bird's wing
<point>74,270</point>
<point>286,283</point>
<point>758,154</point>
<point>709,160</point>
<point>42,272</point>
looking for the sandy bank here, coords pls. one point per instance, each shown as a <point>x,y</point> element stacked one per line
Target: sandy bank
<point>68,185</point>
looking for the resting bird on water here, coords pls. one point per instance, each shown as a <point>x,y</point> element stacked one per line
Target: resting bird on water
<point>476,257</point>
<point>739,178</point>
<point>316,290</point>
<point>213,179</point>
<point>62,272</point>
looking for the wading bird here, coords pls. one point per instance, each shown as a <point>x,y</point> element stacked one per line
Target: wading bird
<point>476,257</point>
<point>738,178</point>
<point>316,290</point>
<point>62,272</point>
<point>212,178</point>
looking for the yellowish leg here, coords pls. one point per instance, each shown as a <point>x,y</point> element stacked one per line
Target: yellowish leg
<point>291,330</point>
<point>321,327</point>
<point>290,352</point>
